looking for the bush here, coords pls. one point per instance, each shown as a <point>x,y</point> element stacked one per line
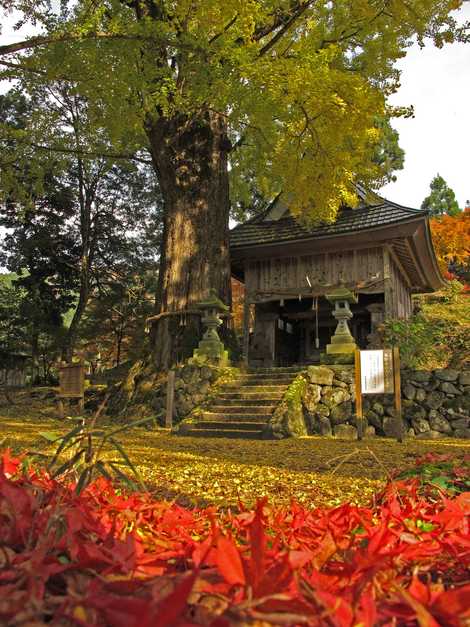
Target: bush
<point>438,335</point>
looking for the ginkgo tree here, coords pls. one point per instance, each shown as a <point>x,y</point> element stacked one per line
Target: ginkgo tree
<point>287,89</point>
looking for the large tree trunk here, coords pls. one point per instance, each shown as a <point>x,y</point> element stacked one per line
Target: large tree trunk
<point>190,156</point>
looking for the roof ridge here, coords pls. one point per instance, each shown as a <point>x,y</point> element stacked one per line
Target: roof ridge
<point>259,216</point>
<point>405,208</point>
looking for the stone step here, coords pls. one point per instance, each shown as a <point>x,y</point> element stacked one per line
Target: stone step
<point>263,381</point>
<point>281,377</point>
<point>230,424</point>
<point>224,433</point>
<point>258,389</point>
<point>254,416</point>
<point>239,398</point>
<point>242,401</point>
<point>220,408</point>
<point>286,369</point>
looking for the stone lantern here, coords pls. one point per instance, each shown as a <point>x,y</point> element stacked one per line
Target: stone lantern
<point>210,348</point>
<point>342,346</point>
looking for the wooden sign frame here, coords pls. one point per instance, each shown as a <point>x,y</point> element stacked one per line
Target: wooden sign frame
<point>392,384</point>
<point>71,385</point>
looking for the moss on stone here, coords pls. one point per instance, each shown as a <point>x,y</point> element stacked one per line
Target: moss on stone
<point>288,418</point>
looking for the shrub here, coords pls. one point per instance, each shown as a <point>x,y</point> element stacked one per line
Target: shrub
<point>438,335</point>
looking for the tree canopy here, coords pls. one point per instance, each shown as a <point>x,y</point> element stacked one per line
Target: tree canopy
<point>300,83</point>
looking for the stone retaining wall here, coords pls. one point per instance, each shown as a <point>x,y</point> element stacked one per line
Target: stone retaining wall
<point>143,392</point>
<point>195,385</point>
<point>436,403</point>
<point>321,401</point>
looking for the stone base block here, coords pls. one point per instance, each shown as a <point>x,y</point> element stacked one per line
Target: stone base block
<point>338,358</point>
<point>341,348</point>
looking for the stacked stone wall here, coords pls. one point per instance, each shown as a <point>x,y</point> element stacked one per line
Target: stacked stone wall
<point>195,386</point>
<point>436,403</point>
<point>320,401</point>
<point>144,391</point>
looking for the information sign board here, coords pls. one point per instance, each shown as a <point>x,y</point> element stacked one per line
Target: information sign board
<point>72,381</point>
<point>372,372</point>
<point>378,372</point>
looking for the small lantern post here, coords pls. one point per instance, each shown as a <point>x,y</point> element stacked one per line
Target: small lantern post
<point>210,347</point>
<point>342,346</point>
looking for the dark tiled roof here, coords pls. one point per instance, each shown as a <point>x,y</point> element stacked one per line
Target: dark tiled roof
<point>262,231</point>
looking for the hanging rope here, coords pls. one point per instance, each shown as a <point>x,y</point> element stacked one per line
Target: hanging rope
<point>317,339</point>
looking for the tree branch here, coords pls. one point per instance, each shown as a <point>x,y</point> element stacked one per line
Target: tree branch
<point>300,10</point>
<point>18,66</point>
<point>281,19</point>
<point>225,29</point>
<point>35,42</point>
<point>82,153</point>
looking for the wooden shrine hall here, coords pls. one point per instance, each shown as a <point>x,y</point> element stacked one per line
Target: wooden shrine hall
<point>380,250</point>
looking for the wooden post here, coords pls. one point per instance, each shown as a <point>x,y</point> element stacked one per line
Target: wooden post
<point>397,391</point>
<point>388,289</point>
<point>170,399</point>
<point>246,328</point>
<point>357,381</point>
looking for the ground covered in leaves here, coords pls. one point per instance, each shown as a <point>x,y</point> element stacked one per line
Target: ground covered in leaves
<point>195,471</point>
<point>110,558</point>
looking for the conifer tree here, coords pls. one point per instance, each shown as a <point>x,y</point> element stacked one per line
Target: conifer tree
<point>441,201</point>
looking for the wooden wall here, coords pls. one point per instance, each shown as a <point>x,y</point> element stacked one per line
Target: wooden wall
<point>401,304</point>
<point>282,273</point>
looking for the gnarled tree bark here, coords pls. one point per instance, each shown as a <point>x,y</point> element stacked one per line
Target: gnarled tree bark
<point>190,157</point>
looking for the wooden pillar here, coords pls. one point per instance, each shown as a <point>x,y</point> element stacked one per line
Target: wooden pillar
<point>61,409</point>
<point>246,328</point>
<point>388,287</point>
<point>170,399</point>
<point>400,427</point>
<point>358,400</point>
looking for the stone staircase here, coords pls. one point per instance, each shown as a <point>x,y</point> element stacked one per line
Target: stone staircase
<point>243,408</point>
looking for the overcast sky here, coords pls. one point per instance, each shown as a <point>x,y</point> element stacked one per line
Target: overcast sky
<point>437,83</point>
<point>437,140</point>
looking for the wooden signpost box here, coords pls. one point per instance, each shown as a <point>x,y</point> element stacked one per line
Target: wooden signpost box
<point>71,385</point>
<point>378,372</point>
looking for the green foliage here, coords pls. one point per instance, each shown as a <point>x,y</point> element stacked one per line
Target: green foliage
<point>441,200</point>
<point>86,452</point>
<point>443,472</point>
<point>12,332</point>
<point>439,334</point>
<point>388,154</point>
<point>294,393</point>
<point>114,323</point>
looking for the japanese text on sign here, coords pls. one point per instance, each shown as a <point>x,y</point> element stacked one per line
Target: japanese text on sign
<point>372,372</point>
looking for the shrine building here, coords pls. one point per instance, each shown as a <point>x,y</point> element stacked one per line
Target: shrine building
<point>379,250</point>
